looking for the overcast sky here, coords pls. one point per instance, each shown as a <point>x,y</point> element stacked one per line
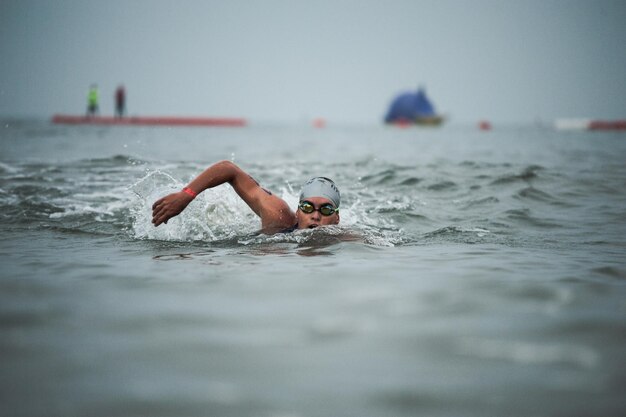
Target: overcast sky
<point>505,61</point>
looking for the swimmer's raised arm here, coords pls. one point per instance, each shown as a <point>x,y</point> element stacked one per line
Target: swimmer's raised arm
<point>273,211</point>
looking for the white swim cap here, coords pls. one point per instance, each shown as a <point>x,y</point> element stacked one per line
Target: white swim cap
<point>321,187</point>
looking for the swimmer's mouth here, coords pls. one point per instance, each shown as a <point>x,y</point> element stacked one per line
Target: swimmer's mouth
<point>313,226</point>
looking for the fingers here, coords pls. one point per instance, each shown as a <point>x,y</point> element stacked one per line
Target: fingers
<point>159,213</point>
<point>158,202</point>
<point>162,213</point>
<point>159,209</point>
<point>156,220</point>
<point>160,219</point>
<point>168,207</point>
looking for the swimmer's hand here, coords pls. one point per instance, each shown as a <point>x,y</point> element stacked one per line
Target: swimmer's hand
<point>169,206</point>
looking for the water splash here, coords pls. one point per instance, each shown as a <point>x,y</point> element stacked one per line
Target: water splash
<point>216,214</point>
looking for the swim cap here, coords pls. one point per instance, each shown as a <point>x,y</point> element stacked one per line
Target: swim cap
<point>321,187</point>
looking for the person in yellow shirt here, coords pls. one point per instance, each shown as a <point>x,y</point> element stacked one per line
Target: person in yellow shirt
<point>92,100</point>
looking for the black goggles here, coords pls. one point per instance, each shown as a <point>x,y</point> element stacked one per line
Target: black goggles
<point>325,210</point>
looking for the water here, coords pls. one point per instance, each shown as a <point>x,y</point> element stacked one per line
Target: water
<point>487,277</point>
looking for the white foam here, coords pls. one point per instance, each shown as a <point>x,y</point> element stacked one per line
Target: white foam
<point>529,353</point>
<point>8,168</point>
<point>216,214</point>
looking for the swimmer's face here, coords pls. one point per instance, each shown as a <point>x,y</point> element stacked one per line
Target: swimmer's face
<point>315,218</point>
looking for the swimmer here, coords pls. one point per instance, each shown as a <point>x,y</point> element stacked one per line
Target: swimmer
<point>318,205</point>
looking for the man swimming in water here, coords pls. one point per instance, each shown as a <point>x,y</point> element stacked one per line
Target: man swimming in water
<point>318,206</point>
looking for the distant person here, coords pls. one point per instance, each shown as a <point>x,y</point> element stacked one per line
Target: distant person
<point>120,101</point>
<point>92,100</point>
<point>318,205</point>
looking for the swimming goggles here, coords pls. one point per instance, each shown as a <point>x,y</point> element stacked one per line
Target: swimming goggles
<point>325,210</point>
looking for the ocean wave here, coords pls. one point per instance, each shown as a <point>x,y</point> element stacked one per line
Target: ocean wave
<point>535,194</point>
<point>611,272</point>
<point>410,181</point>
<point>442,186</point>
<point>380,178</point>
<point>6,168</point>
<point>458,234</point>
<point>527,174</point>
<point>41,192</point>
<point>389,204</point>
<point>26,211</point>
<point>112,161</point>
<point>482,201</point>
<point>524,217</point>
<point>396,205</point>
<point>529,353</point>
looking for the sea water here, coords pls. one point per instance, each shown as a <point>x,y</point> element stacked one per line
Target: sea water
<point>472,274</point>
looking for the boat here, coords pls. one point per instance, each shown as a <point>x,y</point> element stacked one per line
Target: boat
<point>148,121</point>
<point>413,108</point>
<point>589,124</point>
<point>607,125</point>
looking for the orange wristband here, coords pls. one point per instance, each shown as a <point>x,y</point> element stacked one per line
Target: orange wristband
<point>191,192</point>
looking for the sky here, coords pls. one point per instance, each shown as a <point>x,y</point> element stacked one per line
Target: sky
<point>289,60</point>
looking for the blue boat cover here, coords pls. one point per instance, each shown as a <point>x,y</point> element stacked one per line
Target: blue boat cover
<point>410,106</point>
